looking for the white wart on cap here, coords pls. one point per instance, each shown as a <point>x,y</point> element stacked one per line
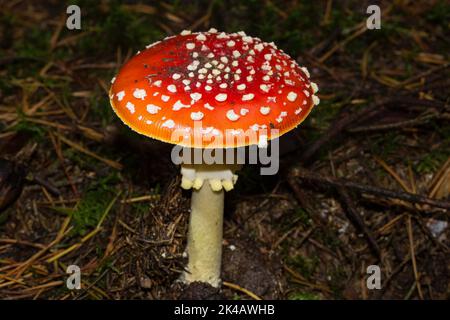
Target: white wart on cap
<point>212,77</point>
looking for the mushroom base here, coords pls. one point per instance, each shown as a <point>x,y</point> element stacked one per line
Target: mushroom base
<point>204,246</point>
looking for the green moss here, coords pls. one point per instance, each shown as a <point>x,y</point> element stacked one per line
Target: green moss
<point>303,296</point>
<point>385,144</point>
<point>305,266</point>
<point>94,202</point>
<point>303,216</point>
<point>431,162</point>
<point>36,131</point>
<point>35,43</point>
<point>104,26</point>
<point>140,208</point>
<point>80,159</point>
<point>439,13</point>
<point>100,108</point>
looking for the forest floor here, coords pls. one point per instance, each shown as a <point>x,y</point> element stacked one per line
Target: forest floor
<point>365,180</point>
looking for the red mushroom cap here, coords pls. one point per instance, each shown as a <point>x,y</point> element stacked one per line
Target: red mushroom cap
<point>212,83</point>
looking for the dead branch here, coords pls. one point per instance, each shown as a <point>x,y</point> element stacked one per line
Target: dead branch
<point>305,174</point>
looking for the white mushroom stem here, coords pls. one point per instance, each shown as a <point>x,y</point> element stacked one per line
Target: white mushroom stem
<point>204,246</point>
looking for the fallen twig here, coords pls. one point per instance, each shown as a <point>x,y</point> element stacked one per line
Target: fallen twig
<point>239,288</point>
<point>396,125</point>
<point>357,221</point>
<point>406,196</point>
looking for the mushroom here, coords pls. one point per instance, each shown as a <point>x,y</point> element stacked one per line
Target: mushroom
<point>214,85</point>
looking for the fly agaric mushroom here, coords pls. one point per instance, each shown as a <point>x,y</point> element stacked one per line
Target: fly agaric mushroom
<point>227,82</point>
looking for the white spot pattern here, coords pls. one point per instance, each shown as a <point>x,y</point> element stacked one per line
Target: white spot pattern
<point>235,68</point>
